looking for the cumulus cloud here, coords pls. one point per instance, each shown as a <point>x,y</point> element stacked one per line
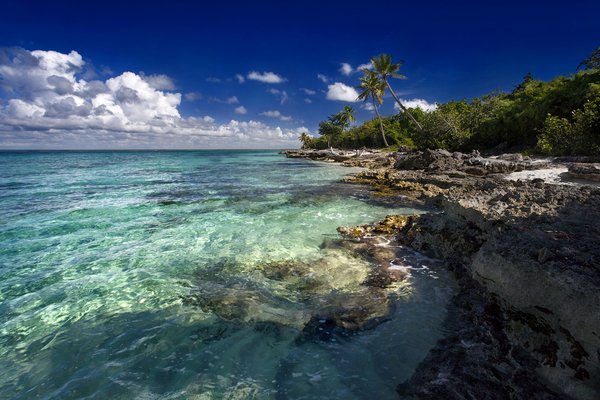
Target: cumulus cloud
<point>159,81</point>
<point>46,103</point>
<point>322,78</point>
<point>309,92</point>
<point>272,114</point>
<point>416,103</point>
<point>346,69</point>
<point>265,77</point>
<point>240,78</point>
<point>276,114</point>
<point>240,110</point>
<point>368,106</point>
<point>339,91</point>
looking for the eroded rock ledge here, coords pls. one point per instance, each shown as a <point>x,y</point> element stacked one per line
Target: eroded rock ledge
<point>526,322</point>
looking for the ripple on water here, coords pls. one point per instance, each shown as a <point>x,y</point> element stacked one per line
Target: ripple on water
<point>197,274</point>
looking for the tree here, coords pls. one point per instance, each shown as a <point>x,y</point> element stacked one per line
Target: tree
<point>329,129</point>
<point>344,118</point>
<point>373,89</point>
<point>386,69</point>
<point>592,62</point>
<point>307,140</point>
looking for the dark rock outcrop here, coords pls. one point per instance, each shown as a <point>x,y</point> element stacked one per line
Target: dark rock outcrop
<point>590,172</point>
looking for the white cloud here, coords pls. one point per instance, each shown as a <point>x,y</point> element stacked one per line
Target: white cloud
<point>346,69</point>
<point>309,92</point>
<point>276,114</point>
<point>159,81</point>
<point>265,77</point>
<point>192,96</point>
<point>240,110</point>
<point>414,103</point>
<point>272,114</point>
<point>240,78</point>
<point>229,100</point>
<point>281,94</point>
<point>212,79</point>
<point>322,78</point>
<point>341,92</point>
<point>308,101</point>
<point>367,106</point>
<point>50,105</point>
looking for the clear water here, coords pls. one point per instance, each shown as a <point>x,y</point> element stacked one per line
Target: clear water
<point>141,275</point>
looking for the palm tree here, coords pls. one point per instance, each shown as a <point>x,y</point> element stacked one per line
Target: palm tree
<point>373,89</point>
<point>307,140</point>
<point>345,117</point>
<point>386,69</point>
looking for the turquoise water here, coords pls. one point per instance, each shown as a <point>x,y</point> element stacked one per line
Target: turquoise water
<point>146,275</point>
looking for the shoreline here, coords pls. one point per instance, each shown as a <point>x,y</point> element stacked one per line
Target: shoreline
<point>524,323</point>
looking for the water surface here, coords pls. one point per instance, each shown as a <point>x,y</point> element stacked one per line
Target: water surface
<point>141,275</point>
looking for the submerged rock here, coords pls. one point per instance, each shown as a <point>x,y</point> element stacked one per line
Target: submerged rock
<point>351,311</point>
<point>297,293</point>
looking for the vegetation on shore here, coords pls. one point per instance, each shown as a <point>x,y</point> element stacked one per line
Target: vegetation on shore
<point>558,117</point>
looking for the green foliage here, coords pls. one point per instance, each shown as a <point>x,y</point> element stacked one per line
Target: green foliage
<point>592,62</point>
<point>512,120</point>
<point>449,126</point>
<point>384,68</point>
<point>556,117</point>
<point>329,130</point>
<point>369,135</point>
<point>307,141</point>
<point>373,89</point>
<point>580,135</point>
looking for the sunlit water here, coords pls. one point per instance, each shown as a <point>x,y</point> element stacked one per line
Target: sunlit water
<point>140,275</point>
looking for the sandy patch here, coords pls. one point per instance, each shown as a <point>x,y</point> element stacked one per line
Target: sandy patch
<point>557,175</point>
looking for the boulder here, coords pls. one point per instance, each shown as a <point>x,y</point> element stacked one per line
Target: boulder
<point>589,172</point>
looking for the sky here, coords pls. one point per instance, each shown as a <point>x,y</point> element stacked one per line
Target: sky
<point>256,74</point>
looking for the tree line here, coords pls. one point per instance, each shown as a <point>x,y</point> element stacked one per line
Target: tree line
<point>558,117</point>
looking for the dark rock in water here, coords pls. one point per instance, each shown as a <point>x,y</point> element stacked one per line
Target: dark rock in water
<point>351,311</point>
<point>304,292</point>
<point>297,276</point>
<point>590,172</point>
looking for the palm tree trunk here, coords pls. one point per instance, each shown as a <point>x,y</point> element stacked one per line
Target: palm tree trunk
<point>402,106</point>
<point>381,126</point>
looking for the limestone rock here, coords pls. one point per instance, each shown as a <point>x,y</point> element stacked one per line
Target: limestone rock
<point>590,172</point>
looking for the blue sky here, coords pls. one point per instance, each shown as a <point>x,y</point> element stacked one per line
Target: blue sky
<point>192,65</point>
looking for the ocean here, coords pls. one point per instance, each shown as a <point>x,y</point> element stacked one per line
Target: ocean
<point>193,275</point>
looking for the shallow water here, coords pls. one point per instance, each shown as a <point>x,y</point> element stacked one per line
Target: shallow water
<point>141,275</point>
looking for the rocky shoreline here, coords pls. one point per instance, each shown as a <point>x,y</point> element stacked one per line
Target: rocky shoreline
<point>522,236</point>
